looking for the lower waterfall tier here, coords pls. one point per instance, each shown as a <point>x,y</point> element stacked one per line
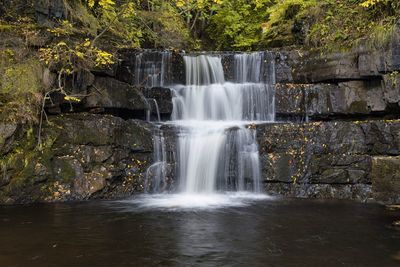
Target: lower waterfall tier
<point>209,156</point>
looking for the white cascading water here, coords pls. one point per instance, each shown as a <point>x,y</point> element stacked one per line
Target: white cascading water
<point>203,70</point>
<point>216,144</point>
<point>217,150</point>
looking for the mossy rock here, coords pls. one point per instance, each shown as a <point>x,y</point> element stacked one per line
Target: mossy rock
<point>386,179</point>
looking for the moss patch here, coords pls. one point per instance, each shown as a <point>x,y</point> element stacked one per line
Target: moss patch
<point>20,88</point>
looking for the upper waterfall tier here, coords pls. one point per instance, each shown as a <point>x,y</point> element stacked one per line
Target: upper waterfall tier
<point>206,95</point>
<point>152,68</point>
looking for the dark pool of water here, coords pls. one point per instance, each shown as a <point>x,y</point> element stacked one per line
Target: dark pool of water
<point>265,233</point>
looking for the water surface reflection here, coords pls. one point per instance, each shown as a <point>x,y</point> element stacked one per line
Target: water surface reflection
<point>260,233</point>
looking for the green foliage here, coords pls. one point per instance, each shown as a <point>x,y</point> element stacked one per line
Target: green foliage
<point>284,11</point>
<point>196,13</point>
<point>238,24</point>
<point>162,26</point>
<point>345,24</point>
<point>327,24</point>
<point>223,24</point>
<point>119,22</point>
<point>89,18</point>
<point>381,34</point>
<point>281,17</point>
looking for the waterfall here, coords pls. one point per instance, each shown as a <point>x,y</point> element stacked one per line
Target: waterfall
<point>216,145</point>
<point>156,174</point>
<point>216,148</point>
<point>151,110</point>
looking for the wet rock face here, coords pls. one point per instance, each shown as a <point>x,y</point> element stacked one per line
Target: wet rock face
<point>328,159</point>
<point>103,130</point>
<point>363,82</point>
<point>7,131</point>
<point>46,11</point>
<point>331,157</point>
<point>358,192</point>
<point>99,94</point>
<point>228,62</point>
<point>391,85</point>
<point>333,67</point>
<point>346,99</point>
<point>131,59</point>
<point>84,156</point>
<point>362,63</point>
<point>343,153</point>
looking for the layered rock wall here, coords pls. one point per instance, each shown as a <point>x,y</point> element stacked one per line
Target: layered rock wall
<point>340,132</point>
<point>336,159</point>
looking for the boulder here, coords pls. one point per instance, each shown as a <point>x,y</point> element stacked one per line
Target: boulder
<point>108,93</point>
<point>79,83</point>
<point>278,167</point>
<point>382,137</point>
<point>386,179</point>
<point>284,64</point>
<point>360,97</point>
<point>102,130</point>
<point>320,137</point>
<point>374,62</point>
<point>318,99</point>
<point>289,99</point>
